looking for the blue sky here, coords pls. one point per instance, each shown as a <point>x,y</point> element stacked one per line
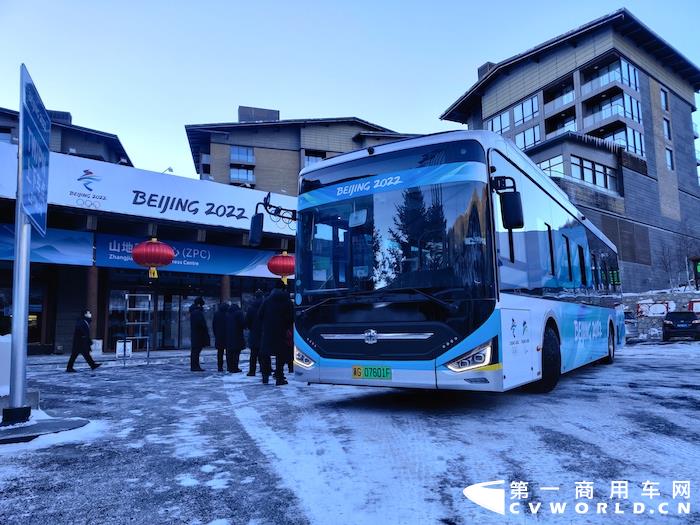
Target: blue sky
<point>143,70</point>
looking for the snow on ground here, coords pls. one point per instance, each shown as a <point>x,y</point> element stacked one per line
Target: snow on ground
<point>364,455</point>
<point>169,446</point>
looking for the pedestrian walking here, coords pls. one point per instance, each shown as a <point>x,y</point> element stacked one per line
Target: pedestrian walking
<point>276,317</point>
<point>253,326</point>
<point>199,333</point>
<point>235,342</point>
<point>218,328</point>
<point>82,342</point>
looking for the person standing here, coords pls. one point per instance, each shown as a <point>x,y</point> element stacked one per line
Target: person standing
<point>276,317</point>
<point>253,326</point>
<point>82,342</point>
<point>235,342</point>
<point>218,328</point>
<point>199,333</point>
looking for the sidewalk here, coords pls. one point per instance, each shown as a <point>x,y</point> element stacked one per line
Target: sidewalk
<point>138,358</point>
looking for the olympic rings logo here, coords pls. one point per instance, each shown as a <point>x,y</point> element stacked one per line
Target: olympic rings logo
<point>87,203</point>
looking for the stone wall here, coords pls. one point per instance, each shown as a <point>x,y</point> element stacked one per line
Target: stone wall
<point>652,305</point>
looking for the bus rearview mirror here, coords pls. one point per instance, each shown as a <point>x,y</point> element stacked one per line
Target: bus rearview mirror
<point>512,210</point>
<point>256,229</point>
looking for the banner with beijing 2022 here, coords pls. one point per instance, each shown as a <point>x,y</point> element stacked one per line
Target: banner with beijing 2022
<point>394,181</point>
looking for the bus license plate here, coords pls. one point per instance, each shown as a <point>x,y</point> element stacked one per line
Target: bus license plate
<point>371,372</point>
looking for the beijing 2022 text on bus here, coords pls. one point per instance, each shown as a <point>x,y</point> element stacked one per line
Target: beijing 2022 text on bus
<point>449,261</point>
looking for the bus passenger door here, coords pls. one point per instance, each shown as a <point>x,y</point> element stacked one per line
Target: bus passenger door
<point>517,348</point>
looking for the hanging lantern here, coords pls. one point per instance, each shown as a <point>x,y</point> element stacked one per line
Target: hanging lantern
<point>152,254</point>
<point>282,265</point>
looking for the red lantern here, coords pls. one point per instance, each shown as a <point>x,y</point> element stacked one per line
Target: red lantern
<point>152,254</point>
<point>282,265</point>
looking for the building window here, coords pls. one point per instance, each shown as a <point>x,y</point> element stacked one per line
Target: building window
<point>526,110</point>
<point>667,129</point>
<point>669,159</point>
<point>242,154</point>
<point>499,123</point>
<point>593,173</point>
<point>5,135</point>
<point>664,99</point>
<point>312,157</point>
<point>553,167</point>
<point>242,175</point>
<point>630,75</point>
<point>635,142</point>
<point>528,138</point>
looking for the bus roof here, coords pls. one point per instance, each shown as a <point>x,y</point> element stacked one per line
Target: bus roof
<point>489,140</point>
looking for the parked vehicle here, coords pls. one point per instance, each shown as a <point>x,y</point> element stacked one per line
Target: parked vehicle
<point>631,326</point>
<point>681,324</point>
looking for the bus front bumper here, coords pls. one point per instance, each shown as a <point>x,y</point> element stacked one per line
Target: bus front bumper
<point>398,374</point>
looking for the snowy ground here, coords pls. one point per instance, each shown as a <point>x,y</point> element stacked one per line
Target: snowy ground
<point>169,446</point>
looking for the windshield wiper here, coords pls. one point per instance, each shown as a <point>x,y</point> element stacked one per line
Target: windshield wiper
<point>383,293</point>
<point>450,306</point>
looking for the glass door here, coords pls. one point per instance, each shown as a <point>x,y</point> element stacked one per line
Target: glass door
<point>168,335</point>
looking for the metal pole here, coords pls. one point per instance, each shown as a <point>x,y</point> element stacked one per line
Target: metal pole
<point>20,299</point>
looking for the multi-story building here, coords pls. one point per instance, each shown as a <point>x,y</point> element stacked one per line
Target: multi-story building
<point>263,152</point>
<point>606,110</point>
<point>68,138</point>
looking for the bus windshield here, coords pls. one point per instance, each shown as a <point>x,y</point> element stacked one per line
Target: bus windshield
<point>416,227</point>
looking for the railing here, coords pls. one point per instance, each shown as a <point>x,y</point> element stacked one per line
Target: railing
<point>696,133</point>
<point>243,158</point>
<point>558,102</point>
<point>560,131</point>
<point>697,157</point>
<point>206,158</point>
<point>602,80</point>
<point>610,111</point>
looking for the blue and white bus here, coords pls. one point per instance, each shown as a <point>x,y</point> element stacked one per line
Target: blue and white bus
<point>449,261</point>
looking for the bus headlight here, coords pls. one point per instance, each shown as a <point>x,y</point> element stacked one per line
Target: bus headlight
<point>479,356</point>
<point>301,359</point>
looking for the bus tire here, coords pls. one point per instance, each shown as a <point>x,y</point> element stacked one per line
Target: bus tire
<point>610,358</point>
<point>551,363</point>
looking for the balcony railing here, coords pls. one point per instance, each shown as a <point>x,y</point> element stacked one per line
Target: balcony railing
<point>602,80</point>
<point>558,102</point>
<point>697,157</point>
<point>606,113</point>
<point>560,131</point>
<point>696,133</point>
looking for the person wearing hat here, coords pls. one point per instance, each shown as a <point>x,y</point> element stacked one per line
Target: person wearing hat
<point>199,333</point>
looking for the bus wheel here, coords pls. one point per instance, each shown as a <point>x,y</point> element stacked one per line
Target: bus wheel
<point>551,363</point>
<point>608,359</point>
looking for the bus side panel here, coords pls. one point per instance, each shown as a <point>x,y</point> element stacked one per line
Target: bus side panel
<point>584,334</point>
<point>582,330</point>
<point>518,347</point>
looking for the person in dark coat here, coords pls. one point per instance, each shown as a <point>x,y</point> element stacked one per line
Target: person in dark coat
<point>253,326</point>
<point>199,333</point>
<point>218,328</point>
<point>235,342</point>
<point>82,342</point>
<point>276,317</point>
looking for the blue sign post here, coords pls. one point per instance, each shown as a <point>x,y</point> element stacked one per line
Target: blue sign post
<point>35,132</point>
<point>30,209</point>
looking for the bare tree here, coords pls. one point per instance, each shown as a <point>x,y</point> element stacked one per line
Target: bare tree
<point>666,261</point>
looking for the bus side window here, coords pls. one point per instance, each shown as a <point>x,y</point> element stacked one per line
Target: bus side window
<point>595,270</point>
<point>570,270</point>
<point>582,266</point>
<point>550,239</point>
